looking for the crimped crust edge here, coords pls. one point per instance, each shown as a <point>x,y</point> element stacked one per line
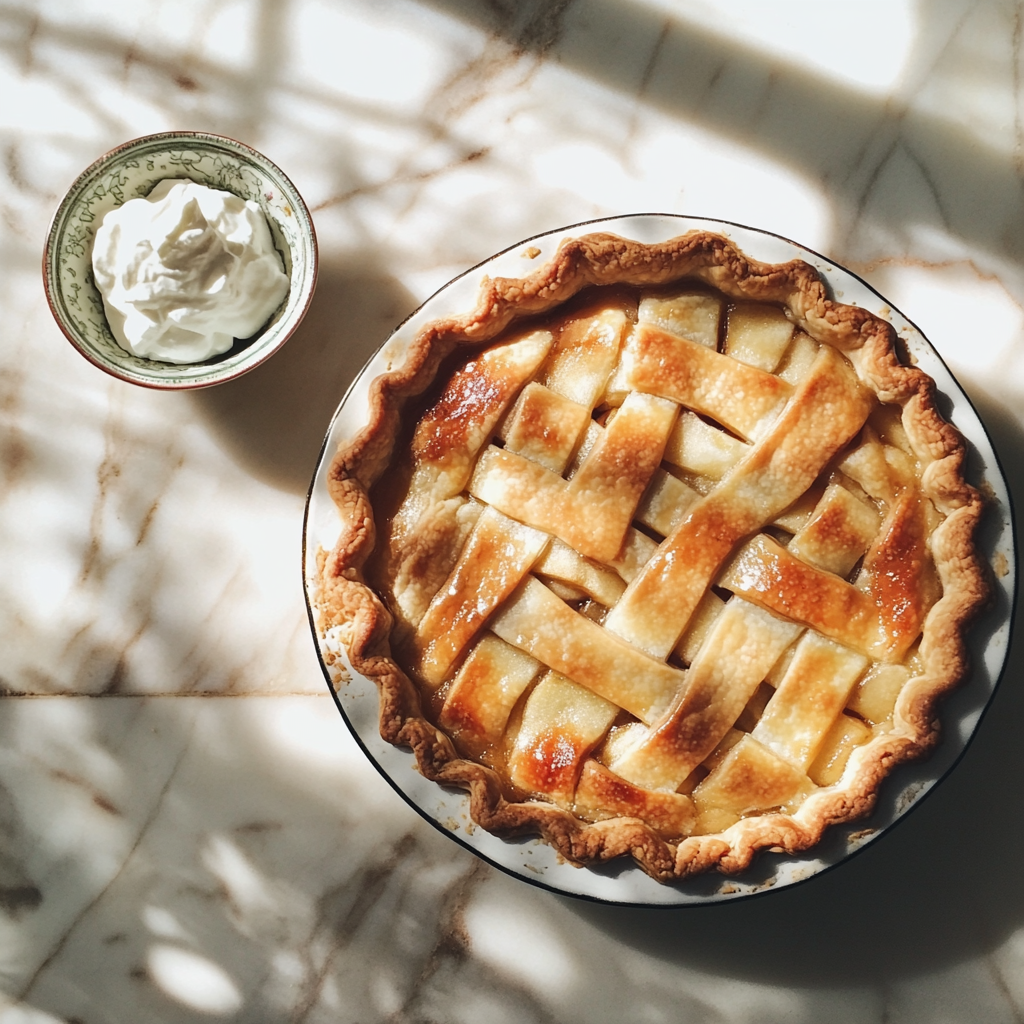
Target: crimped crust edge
<point>345,600</point>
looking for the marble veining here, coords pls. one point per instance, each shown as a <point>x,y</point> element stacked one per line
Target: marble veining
<point>187,831</point>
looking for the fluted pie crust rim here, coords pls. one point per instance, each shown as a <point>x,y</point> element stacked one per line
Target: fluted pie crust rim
<point>346,603</point>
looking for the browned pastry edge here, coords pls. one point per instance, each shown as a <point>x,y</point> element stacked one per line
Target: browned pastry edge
<point>870,342</point>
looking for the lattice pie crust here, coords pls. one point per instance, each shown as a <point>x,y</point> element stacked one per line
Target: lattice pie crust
<point>659,551</point>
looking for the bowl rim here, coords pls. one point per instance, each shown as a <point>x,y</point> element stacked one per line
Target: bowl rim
<point>50,248</point>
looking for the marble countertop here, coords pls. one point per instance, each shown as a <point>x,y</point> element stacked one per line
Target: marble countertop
<point>187,830</point>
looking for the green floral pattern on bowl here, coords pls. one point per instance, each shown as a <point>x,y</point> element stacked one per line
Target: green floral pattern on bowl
<point>131,171</point>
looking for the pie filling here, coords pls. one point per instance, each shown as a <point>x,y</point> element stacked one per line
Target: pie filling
<point>658,555</point>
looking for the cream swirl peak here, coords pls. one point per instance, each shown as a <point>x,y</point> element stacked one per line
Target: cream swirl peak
<point>186,270</point>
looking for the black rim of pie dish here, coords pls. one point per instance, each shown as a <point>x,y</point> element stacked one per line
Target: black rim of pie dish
<point>1001,610</point>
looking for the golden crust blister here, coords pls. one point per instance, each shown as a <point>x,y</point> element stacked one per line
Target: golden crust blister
<point>585,681</point>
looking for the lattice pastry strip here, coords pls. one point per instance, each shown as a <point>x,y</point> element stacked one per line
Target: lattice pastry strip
<point>741,647</point>
<point>545,427</point>
<point>758,334</point>
<point>561,562</point>
<point>826,411</point>
<point>543,625</point>
<point>664,505</point>
<point>749,778</point>
<point>489,683</point>
<point>562,722</point>
<point>740,397</point>
<point>811,695</point>
<point>881,623</point>
<point>586,352</point>
<point>837,533</point>
<point>694,315</point>
<point>766,573</point>
<point>592,511</point>
<point>552,430</point>
<point>601,794</point>
<point>899,567</point>
<point>493,562</point>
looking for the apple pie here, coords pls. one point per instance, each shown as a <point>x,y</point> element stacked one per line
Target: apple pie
<point>659,551</point>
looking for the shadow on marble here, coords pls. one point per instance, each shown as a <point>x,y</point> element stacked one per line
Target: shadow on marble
<point>259,868</point>
<point>893,172</point>
<point>942,887</point>
<point>204,94</point>
<point>274,419</point>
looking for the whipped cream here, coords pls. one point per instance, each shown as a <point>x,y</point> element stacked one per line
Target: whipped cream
<point>186,270</point>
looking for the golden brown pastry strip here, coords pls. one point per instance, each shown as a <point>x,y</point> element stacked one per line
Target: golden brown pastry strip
<point>562,723</point>
<point>768,575</point>
<point>544,427</point>
<point>757,334</point>
<point>825,412</point>
<point>452,432</point>
<point>561,562</point>
<point>838,532</point>
<point>592,511</point>
<point>741,647</point>
<point>584,354</point>
<point>689,313</point>
<point>808,700</point>
<point>543,625</point>
<point>899,574</point>
<point>738,396</point>
<point>601,794</point>
<point>494,561</point>
<point>749,778</point>
<point>481,697</point>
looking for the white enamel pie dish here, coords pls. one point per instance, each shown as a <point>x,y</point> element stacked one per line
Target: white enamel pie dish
<point>621,881</point>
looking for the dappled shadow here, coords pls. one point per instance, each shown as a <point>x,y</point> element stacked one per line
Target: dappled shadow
<point>273,419</point>
<point>942,887</point>
<point>256,868</point>
<point>888,167</point>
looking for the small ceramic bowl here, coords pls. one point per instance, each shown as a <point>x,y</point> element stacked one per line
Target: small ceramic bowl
<point>132,170</point>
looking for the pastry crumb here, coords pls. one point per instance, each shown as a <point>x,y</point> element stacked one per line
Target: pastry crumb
<point>856,837</point>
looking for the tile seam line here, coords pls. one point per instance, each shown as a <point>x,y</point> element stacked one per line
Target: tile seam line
<point>162,693</point>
